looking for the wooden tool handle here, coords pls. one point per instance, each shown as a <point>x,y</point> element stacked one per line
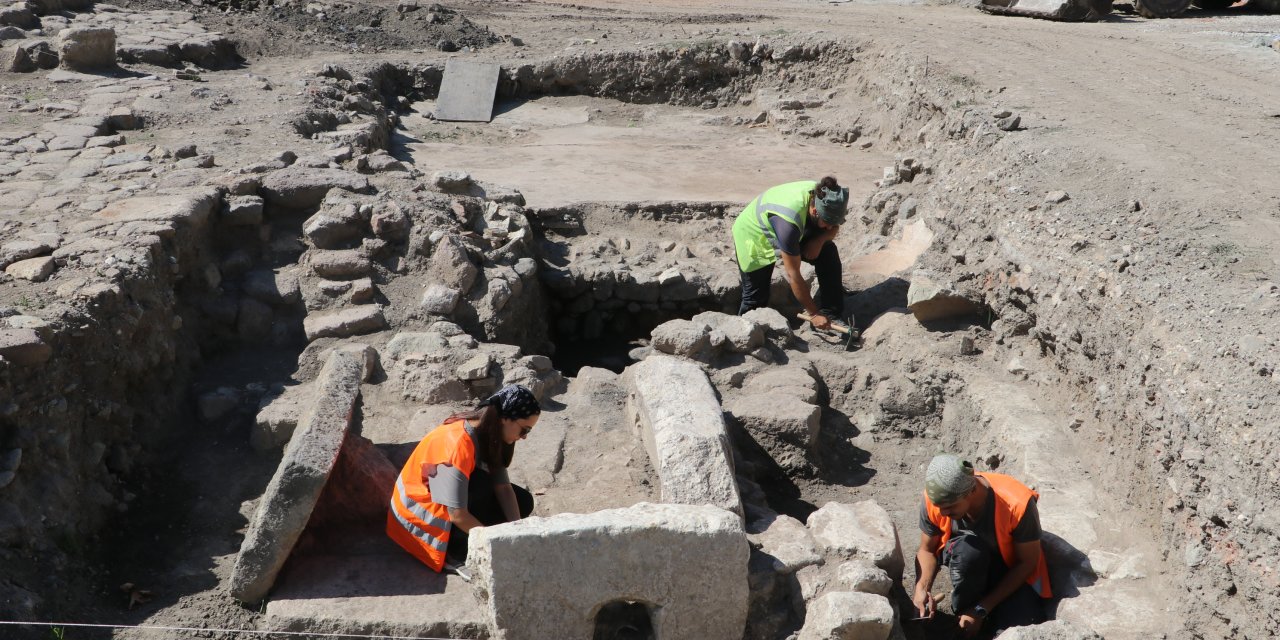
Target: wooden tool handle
<point>835,324</point>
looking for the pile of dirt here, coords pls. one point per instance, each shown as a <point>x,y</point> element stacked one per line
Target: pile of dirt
<point>264,29</point>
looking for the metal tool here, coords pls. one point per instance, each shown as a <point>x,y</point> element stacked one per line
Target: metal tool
<point>838,326</point>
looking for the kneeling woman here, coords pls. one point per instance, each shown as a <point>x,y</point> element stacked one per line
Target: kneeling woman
<point>456,479</point>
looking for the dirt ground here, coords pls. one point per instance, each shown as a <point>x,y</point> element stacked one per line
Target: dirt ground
<point>1182,116</point>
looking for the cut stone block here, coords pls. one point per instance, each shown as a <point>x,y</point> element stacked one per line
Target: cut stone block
<point>676,409</point>
<point>862,529</point>
<point>848,616</point>
<point>342,324</point>
<point>681,337</point>
<point>88,49</point>
<point>342,264</point>
<point>467,90</point>
<point>781,422</point>
<point>293,491</point>
<point>549,577</point>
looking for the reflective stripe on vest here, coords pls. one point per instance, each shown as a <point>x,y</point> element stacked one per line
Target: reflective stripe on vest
<point>753,236</point>
<point>420,512</point>
<point>1010,504</point>
<point>414,521</point>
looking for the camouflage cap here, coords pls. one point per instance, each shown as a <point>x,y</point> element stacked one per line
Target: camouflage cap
<point>832,204</point>
<point>948,479</point>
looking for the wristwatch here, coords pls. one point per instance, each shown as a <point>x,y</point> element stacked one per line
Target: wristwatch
<point>980,611</point>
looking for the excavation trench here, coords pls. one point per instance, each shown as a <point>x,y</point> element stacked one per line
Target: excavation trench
<point>619,175</point>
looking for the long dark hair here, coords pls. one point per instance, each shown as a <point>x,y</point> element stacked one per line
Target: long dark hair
<point>491,448</point>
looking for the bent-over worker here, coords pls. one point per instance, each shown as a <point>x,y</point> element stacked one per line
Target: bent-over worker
<point>797,222</point>
<point>986,528</point>
<point>456,478</point>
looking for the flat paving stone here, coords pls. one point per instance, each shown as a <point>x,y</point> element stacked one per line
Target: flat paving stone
<point>388,593</point>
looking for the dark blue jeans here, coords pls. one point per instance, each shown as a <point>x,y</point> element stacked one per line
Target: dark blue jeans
<point>975,569</point>
<point>756,284</point>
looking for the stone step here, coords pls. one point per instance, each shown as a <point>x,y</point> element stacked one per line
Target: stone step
<point>388,593</point>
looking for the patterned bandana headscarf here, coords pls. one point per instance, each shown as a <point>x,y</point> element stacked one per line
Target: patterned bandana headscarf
<point>948,479</point>
<point>514,402</point>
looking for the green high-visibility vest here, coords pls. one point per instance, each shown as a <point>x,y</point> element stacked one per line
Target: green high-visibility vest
<point>753,237</point>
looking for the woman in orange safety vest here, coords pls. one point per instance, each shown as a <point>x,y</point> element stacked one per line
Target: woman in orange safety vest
<point>456,479</point>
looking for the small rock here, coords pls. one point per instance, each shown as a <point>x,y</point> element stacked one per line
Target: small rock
<point>476,368</point>
<point>1009,124</point>
<point>1056,197</point>
<point>440,300</point>
<point>452,181</point>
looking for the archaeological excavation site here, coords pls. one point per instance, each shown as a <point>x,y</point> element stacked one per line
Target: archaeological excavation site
<point>253,253</point>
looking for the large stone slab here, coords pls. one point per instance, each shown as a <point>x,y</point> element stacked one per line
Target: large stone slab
<point>679,417</point>
<point>467,90</point>
<point>192,208</point>
<point>385,593</point>
<point>863,529</point>
<point>303,188</point>
<point>293,491</point>
<point>549,577</point>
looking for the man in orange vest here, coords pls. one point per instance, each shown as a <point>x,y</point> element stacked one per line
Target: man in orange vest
<point>986,528</point>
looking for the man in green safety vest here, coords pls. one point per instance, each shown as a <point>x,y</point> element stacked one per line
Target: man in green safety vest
<point>794,221</point>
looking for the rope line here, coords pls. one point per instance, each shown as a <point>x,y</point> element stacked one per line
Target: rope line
<point>309,634</point>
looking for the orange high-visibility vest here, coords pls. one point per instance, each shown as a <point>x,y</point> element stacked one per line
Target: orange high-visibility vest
<point>414,521</point>
<point>1010,503</point>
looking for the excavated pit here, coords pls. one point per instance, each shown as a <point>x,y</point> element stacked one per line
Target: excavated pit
<point>600,170</point>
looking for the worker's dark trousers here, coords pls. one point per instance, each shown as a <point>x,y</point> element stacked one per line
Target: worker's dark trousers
<point>755,284</point>
<point>975,571</point>
<point>482,502</point>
